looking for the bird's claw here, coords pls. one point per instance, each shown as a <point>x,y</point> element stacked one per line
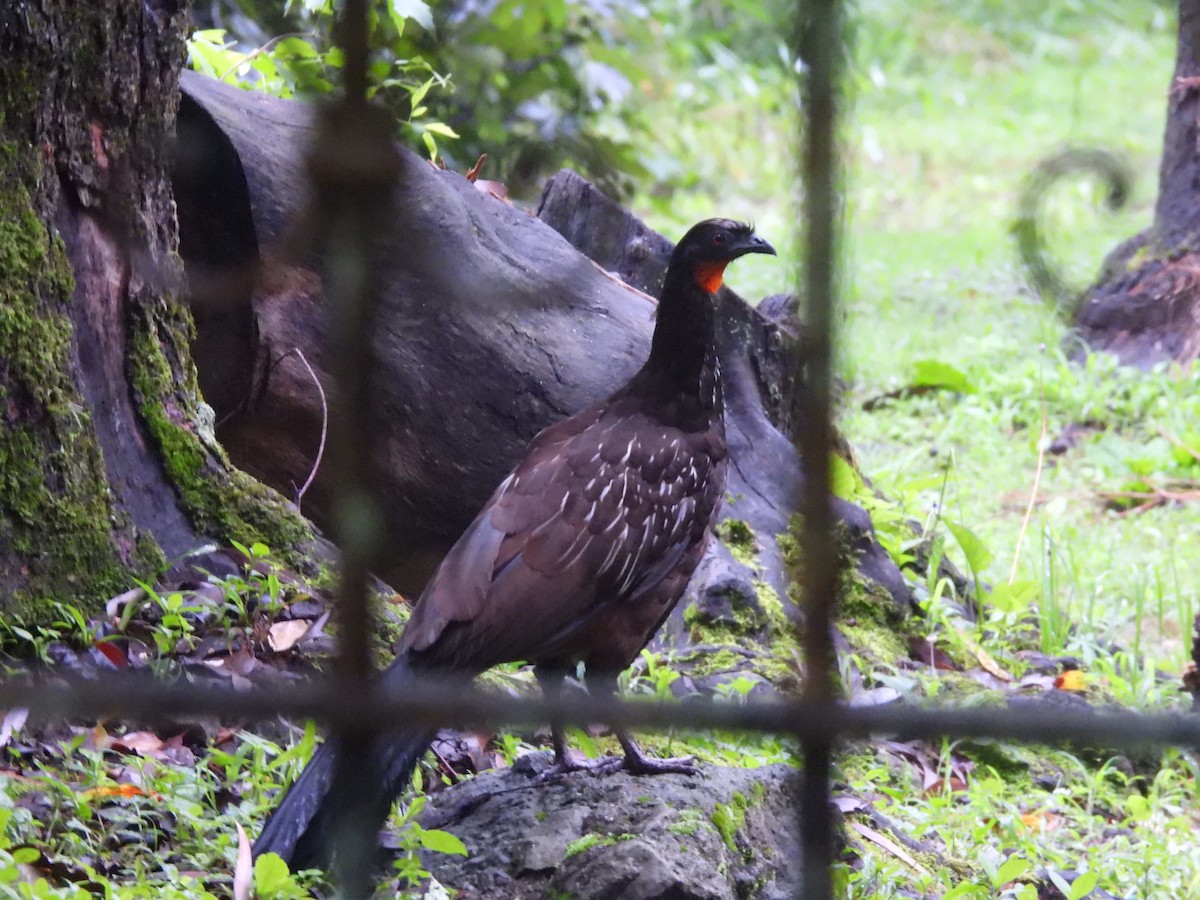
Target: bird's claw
<point>634,764</point>
<point>646,765</point>
<point>605,765</point>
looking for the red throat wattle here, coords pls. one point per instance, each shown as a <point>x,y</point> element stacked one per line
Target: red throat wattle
<point>709,275</point>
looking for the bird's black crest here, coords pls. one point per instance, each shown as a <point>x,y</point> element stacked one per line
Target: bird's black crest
<point>733,227</point>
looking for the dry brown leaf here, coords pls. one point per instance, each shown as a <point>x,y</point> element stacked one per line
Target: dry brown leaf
<point>285,635</point>
<point>955,783</point>
<point>243,870</point>
<point>1041,822</point>
<point>985,659</point>
<point>473,172</point>
<point>850,804</point>
<point>241,662</point>
<point>14,721</point>
<point>112,653</point>
<point>1071,680</point>
<point>119,790</point>
<point>97,738</point>
<point>143,743</point>
<point>113,607</point>
<point>890,846</point>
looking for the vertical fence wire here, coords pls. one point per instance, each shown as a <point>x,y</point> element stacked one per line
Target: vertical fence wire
<point>819,39</point>
<point>353,165</point>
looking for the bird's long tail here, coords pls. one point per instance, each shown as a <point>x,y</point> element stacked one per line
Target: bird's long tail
<point>301,828</point>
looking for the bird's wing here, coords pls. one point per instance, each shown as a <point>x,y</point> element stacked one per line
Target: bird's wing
<point>594,515</point>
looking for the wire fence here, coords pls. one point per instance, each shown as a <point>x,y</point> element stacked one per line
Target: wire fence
<point>353,167</point>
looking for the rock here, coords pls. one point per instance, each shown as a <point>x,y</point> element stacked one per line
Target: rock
<point>722,834</point>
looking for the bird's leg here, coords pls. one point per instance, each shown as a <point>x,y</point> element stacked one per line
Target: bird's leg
<point>550,679</point>
<point>636,761</point>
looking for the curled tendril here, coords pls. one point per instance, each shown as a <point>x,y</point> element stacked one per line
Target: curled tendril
<point>1044,275</point>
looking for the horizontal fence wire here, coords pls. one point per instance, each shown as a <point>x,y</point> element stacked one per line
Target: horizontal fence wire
<point>433,702</point>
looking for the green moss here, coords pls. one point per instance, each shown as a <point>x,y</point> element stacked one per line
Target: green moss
<point>219,499</point>
<point>739,538</point>
<point>588,841</point>
<point>873,644</point>
<point>729,818</point>
<point>761,626</point>
<point>867,616</point>
<point>689,822</point>
<point>56,513</point>
<point>758,794</point>
<point>58,518</point>
<point>714,662</point>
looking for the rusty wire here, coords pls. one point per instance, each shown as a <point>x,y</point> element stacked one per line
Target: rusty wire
<point>353,165</point>
<point>429,701</point>
<point>819,39</point>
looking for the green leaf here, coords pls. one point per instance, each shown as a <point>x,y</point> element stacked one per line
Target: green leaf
<point>1013,597</point>
<point>961,890</point>
<point>440,128</point>
<point>271,875</point>
<point>979,557</point>
<point>1059,882</point>
<point>1014,867</point>
<point>1083,885</point>
<point>938,374</point>
<point>1138,807</point>
<point>442,842</point>
<point>417,10</point>
<point>418,95</point>
<point>844,482</point>
<point>296,47</point>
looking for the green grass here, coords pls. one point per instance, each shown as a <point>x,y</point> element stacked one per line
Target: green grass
<point>951,106</point>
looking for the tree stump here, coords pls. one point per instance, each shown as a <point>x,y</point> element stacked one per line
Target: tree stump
<point>1145,307</point>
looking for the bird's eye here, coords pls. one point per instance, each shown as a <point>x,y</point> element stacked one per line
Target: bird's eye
<point>718,238</point>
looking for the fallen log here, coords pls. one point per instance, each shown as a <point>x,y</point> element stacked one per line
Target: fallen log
<point>492,326</point>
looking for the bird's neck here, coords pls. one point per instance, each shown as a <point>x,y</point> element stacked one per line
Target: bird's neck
<point>683,354</point>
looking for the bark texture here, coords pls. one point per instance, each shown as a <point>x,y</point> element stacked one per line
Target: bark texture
<point>1144,307</point>
<point>107,458</point>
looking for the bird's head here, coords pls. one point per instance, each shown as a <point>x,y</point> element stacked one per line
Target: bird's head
<point>711,245</point>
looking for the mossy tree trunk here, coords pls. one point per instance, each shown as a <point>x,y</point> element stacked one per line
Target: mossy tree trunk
<point>1145,307</point>
<point>107,466</point>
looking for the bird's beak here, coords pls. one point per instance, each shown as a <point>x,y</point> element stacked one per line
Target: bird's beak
<point>754,244</point>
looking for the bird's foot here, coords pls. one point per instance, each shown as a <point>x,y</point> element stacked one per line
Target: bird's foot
<point>638,763</point>
<point>641,764</point>
<point>566,765</point>
<point>602,766</point>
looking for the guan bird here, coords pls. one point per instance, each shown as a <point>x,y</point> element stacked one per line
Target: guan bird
<point>580,553</point>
